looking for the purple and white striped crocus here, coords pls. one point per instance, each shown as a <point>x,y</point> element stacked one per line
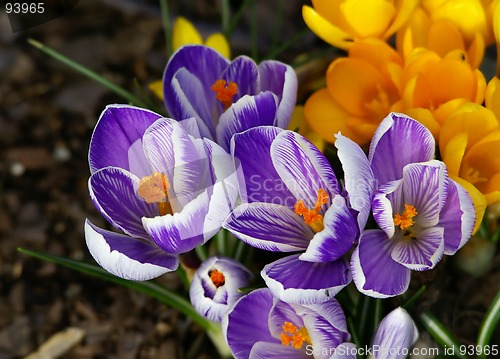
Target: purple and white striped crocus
<point>395,335</point>
<point>165,189</point>
<point>199,82</point>
<point>422,213</point>
<point>261,326</point>
<point>215,286</point>
<point>292,202</point>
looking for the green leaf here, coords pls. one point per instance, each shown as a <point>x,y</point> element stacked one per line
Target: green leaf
<point>152,289</point>
<point>89,73</point>
<point>439,332</point>
<point>489,324</point>
<point>167,27</point>
<point>409,302</point>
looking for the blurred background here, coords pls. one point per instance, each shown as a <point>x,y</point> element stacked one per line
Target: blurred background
<point>47,114</point>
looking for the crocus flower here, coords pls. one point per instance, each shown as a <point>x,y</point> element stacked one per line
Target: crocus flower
<point>470,146</point>
<point>261,326</point>
<point>395,335</point>
<point>166,190</point>
<point>215,286</point>
<point>292,203</point>
<point>360,90</point>
<point>422,213</point>
<point>441,36</point>
<point>341,22</point>
<point>185,33</point>
<point>221,94</point>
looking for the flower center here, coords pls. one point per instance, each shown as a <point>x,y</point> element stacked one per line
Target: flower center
<point>154,189</point>
<point>292,335</point>
<point>225,92</point>
<point>312,216</point>
<point>217,278</point>
<point>405,220</point>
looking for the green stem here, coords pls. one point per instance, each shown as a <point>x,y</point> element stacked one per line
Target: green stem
<point>236,18</point>
<point>167,27</point>
<point>275,52</point>
<point>414,297</point>
<point>254,33</point>
<point>201,252</point>
<point>439,332</point>
<point>226,15</point>
<point>87,72</point>
<point>489,324</point>
<point>277,25</point>
<point>151,289</point>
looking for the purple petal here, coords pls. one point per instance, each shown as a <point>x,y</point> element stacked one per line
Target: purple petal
<point>244,72</point>
<point>359,181</point>
<point>246,113</point>
<point>172,151</point>
<point>457,217</point>
<point>203,63</point>
<point>269,226</point>
<point>186,97</point>
<point>281,80</point>
<point>211,301</point>
<point>338,236</point>
<point>303,168</point>
<point>113,191</point>
<point>296,281</point>
<point>421,253</point>
<point>374,272</point>
<point>425,188</point>
<point>398,141</point>
<point>246,323</point>
<point>396,330</point>
<point>326,325</point>
<point>259,180</point>
<point>345,350</point>
<point>388,194</point>
<point>126,257</point>
<point>182,231</point>
<point>266,350</point>
<point>117,139</point>
<point>282,312</point>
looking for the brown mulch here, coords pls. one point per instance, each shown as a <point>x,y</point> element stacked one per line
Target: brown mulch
<point>47,114</point>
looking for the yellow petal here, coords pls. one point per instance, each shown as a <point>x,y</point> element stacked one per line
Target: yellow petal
<point>444,111</point>
<point>475,52</point>
<point>184,33</point>
<point>404,10</point>
<point>474,120</point>
<point>492,96</point>
<point>326,117</point>
<point>157,88</point>
<point>496,19</point>
<point>414,34</point>
<point>477,197</point>
<point>326,30</point>
<point>452,152</point>
<point>219,43</point>
<point>354,84</point>
<point>368,18</point>
<point>444,37</point>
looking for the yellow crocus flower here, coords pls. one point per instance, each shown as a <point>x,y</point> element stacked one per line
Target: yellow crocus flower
<point>469,144</point>
<point>299,122</point>
<point>341,22</point>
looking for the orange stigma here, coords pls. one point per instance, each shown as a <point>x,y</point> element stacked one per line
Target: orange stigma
<point>312,216</point>
<point>154,189</point>
<point>405,220</point>
<point>225,93</point>
<point>294,336</point>
<point>217,278</point>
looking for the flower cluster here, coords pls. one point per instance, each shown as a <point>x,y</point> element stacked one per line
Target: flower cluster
<point>431,74</point>
<point>225,162</point>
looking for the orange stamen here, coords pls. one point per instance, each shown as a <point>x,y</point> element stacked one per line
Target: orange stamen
<point>312,216</point>
<point>217,278</point>
<point>154,189</point>
<point>225,93</point>
<point>296,336</point>
<point>405,220</point>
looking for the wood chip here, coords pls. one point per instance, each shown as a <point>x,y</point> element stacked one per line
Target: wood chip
<point>58,344</point>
